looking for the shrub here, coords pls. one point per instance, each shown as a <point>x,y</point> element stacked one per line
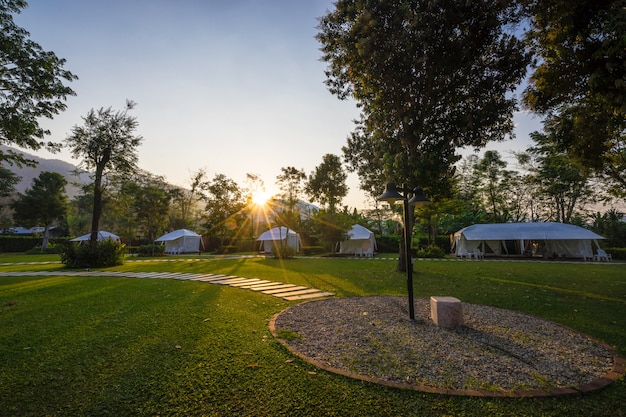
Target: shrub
<point>150,250</point>
<point>284,252</point>
<point>225,249</point>
<point>50,249</point>
<point>105,253</point>
<point>617,253</point>
<point>312,250</point>
<point>431,251</point>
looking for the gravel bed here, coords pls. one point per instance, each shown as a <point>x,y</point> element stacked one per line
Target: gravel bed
<point>496,349</point>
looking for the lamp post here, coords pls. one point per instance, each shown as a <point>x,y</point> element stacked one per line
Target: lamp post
<point>411,198</point>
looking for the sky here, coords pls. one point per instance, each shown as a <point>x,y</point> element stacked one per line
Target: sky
<point>228,86</point>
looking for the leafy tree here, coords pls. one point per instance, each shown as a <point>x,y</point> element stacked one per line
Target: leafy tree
<point>224,209</point>
<point>185,202</point>
<point>558,181</point>
<point>580,83</point>
<point>428,76</point>
<point>106,143</point>
<point>291,183</point>
<point>327,184</point>
<point>8,181</point>
<point>31,86</point>
<point>44,203</point>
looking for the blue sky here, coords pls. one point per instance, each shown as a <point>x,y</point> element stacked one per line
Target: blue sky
<point>229,86</point>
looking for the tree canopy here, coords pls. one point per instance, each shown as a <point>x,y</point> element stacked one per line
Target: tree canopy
<point>31,86</point>
<point>43,203</point>
<point>580,82</point>
<point>106,142</point>
<point>327,183</point>
<point>428,76</point>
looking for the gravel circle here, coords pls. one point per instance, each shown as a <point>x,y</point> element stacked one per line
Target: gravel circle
<point>496,351</point>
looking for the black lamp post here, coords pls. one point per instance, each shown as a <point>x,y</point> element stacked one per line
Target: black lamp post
<point>410,198</point>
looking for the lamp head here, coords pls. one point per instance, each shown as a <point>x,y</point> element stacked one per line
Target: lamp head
<point>391,194</point>
<point>418,199</point>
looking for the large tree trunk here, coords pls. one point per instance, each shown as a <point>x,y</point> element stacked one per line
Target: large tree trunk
<point>46,236</point>
<point>97,199</point>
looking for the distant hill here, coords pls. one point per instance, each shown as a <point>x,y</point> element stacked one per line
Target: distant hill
<point>27,174</point>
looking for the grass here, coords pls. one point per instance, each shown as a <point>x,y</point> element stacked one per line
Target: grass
<point>72,346</point>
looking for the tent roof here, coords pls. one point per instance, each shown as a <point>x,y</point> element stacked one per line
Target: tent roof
<point>101,236</point>
<point>276,233</point>
<point>177,234</point>
<point>526,231</point>
<point>358,232</point>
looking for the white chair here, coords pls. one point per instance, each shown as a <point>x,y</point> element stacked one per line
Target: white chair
<point>369,253</point>
<point>602,256</point>
<point>478,254</point>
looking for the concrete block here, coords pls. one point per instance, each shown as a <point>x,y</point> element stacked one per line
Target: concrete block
<point>446,311</point>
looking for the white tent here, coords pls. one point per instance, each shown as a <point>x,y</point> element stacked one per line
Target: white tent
<point>181,241</point>
<point>360,241</point>
<point>277,236</point>
<point>102,235</point>
<point>547,239</point>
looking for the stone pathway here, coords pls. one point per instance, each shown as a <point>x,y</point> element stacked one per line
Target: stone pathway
<point>289,292</point>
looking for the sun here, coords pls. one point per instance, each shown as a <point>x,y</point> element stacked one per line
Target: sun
<point>260,198</point>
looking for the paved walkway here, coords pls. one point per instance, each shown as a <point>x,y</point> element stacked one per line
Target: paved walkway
<point>289,292</point>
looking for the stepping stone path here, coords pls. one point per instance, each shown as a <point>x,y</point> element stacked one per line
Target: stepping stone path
<point>289,292</point>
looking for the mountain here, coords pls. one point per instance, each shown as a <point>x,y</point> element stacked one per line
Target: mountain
<point>66,169</point>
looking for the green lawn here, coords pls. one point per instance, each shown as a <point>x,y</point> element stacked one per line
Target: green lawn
<point>91,346</point>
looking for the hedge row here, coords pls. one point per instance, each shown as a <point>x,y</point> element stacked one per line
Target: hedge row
<point>26,243</point>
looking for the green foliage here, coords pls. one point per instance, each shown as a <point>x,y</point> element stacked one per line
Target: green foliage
<point>225,249</point>
<point>284,252</point>
<point>312,250</point>
<point>151,250</point>
<point>393,59</point>
<point>617,253</point>
<point>431,251</point>
<point>105,253</point>
<point>327,184</point>
<point>31,81</point>
<point>105,143</point>
<point>51,249</point>
<point>579,82</point>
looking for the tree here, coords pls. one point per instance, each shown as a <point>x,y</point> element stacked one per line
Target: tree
<point>31,86</point>
<point>8,181</point>
<point>327,184</point>
<point>44,203</point>
<point>224,208</point>
<point>559,183</point>
<point>106,143</point>
<point>291,183</point>
<point>186,200</point>
<point>428,76</point>
<point>580,83</point>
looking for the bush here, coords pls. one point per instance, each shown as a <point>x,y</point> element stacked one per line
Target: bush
<point>284,252</point>
<point>431,251</point>
<point>312,250</point>
<point>150,250</point>
<point>225,249</point>
<point>51,249</point>
<point>617,253</point>
<point>105,253</point>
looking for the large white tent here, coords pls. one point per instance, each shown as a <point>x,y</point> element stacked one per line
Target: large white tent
<point>102,235</point>
<point>181,241</point>
<point>272,238</point>
<point>548,239</point>
<point>361,241</point>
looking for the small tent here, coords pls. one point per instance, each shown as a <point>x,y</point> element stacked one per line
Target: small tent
<point>547,239</point>
<point>272,238</point>
<point>102,235</point>
<point>360,241</point>
<point>181,241</point>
